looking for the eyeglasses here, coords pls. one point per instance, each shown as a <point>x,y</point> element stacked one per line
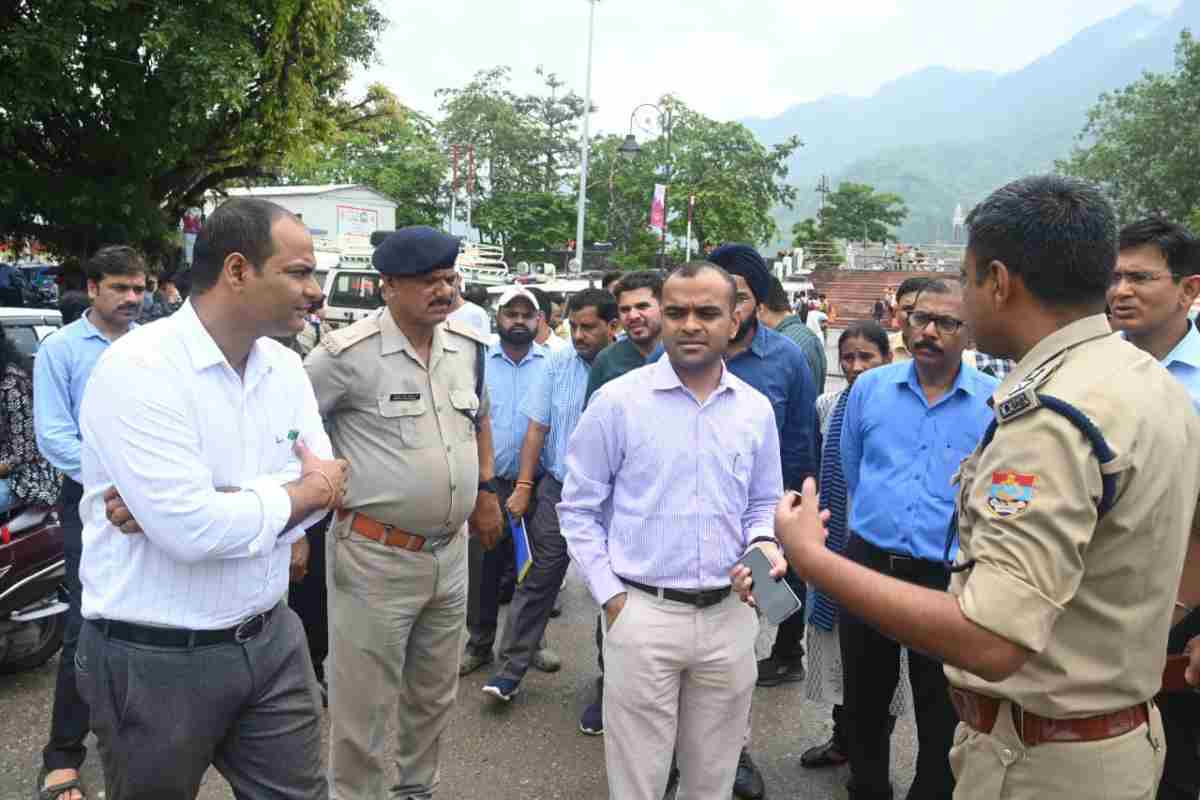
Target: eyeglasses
<point>1136,278</point>
<point>946,325</point>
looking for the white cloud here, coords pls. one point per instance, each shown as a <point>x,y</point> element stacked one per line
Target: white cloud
<point>729,60</point>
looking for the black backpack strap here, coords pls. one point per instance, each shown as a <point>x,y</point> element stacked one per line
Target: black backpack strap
<point>1104,454</point>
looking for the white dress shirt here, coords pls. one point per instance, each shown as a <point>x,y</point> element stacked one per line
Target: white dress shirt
<point>167,421</point>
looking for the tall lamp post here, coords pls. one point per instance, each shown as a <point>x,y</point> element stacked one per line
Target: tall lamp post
<point>630,150</point>
<point>584,142</point>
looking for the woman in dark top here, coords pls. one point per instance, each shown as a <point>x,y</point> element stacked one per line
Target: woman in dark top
<point>28,479</point>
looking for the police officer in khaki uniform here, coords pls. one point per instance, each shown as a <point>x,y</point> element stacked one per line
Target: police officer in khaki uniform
<point>403,396</point>
<point>1073,518</point>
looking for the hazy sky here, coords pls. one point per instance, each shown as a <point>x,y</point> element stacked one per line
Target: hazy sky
<point>726,58</point>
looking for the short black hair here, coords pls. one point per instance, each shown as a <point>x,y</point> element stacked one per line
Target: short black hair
<point>544,301</point>
<point>241,225</point>
<point>603,301</point>
<point>1178,245</point>
<point>476,294</point>
<point>610,278</point>
<point>777,298</point>
<point>869,330</point>
<point>1059,234</point>
<point>939,286</point>
<point>693,269</point>
<point>646,279</point>
<point>912,286</point>
<point>115,259</point>
<point>72,304</point>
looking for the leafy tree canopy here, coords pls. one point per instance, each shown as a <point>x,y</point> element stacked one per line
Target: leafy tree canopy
<point>857,212</point>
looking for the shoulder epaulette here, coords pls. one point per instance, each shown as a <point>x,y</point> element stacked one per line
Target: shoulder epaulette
<point>1023,397</point>
<point>463,329</point>
<point>343,339</point>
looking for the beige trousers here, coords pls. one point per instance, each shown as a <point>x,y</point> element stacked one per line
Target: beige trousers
<point>990,766</point>
<point>677,678</point>
<point>395,630</point>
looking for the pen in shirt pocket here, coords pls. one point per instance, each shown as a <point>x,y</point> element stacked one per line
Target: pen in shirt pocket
<point>291,437</point>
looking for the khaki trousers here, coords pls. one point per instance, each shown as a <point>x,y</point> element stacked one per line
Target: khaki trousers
<point>395,626</point>
<point>989,766</point>
<point>677,678</point>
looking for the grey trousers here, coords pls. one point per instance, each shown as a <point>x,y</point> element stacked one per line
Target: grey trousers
<point>535,596</point>
<point>163,715</point>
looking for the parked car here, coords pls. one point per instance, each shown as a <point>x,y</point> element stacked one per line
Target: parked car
<point>27,327</point>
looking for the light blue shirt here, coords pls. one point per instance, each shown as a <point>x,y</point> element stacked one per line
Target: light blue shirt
<point>508,384</point>
<point>60,373</point>
<point>556,400</point>
<point>899,455</point>
<point>1184,363</point>
<point>665,490</point>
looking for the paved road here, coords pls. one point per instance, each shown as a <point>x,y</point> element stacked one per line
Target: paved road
<point>529,750</point>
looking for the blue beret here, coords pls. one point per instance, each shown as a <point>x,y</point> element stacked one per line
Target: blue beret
<point>744,260</point>
<point>415,250</point>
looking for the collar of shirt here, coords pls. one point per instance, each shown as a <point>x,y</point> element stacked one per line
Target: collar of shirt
<point>1078,332</point>
<point>1187,351</point>
<point>759,346</point>
<point>204,353</point>
<point>966,381</point>
<point>88,329</point>
<point>393,340</point>
<point>665,379</point>
<point>535,351</point>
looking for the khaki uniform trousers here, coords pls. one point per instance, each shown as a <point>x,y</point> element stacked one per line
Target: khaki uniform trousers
<point>989,766</point>
<point>395,624</point>
<point>677,677</point>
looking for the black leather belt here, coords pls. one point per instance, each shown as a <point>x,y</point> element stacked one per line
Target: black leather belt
<point>152,636</point>
<point>701,599</point>
<point>895,564</point>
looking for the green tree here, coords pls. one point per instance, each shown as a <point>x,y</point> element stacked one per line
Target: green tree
<point>735,181</point>
<point>1142,143</point>
<point>398,153</point>
<point>525,154</point>
<point>856,212</point>
<point>806,231</point>
<point>117,115</point>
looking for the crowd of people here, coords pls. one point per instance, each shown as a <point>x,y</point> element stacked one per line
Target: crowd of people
<point>1002,543</point>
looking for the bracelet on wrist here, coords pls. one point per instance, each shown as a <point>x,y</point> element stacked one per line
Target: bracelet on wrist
<point>328,482</point>
<point>527,484</point>
<point>758,539</point>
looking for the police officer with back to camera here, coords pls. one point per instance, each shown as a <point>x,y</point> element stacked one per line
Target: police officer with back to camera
<point>1073,516</point>
<point>402,393</point>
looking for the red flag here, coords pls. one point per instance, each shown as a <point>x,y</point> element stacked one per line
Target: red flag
<point>658,208</point>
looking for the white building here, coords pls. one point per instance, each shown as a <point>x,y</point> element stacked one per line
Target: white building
<point>346,213</point>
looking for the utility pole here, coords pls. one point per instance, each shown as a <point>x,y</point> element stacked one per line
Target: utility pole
<point>585,142</point>
<point>823,189</point>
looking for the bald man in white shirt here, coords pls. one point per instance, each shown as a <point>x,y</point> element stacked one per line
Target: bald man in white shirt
<point>207,433</point>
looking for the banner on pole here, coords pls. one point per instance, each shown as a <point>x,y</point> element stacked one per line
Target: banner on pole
<point>658,208</point>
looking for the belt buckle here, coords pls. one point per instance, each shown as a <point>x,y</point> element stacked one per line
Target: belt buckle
<point>894,561</point>
<point>1018,718</point>
<point>243,634</point>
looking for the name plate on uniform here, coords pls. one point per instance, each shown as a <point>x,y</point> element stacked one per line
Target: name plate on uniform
<point>404,397</point>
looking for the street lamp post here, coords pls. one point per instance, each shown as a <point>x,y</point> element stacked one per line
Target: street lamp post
<point>630,149</point>
<point>584,140</point>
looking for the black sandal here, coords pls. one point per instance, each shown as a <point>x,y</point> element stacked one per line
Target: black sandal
<point>56,791</point>
<point>823,755</point>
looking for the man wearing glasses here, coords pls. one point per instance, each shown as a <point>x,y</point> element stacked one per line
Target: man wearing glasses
<point>907,426</point>
<point>1152,290</point>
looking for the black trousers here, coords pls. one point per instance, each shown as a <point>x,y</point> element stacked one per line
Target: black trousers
<point>1181,723</point>
<point>487,571</point>
<point>162,715</point>
<point>310,598</point>
<point>871,669</point>
<point>69,720</point>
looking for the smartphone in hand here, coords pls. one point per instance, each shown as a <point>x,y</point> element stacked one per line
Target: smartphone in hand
<point>773,595</point>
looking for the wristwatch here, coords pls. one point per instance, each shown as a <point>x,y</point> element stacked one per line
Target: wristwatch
<point>488,486</point>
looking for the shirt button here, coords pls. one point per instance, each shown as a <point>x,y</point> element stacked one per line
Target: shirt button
<point>447,449</point>
<point>1007,756</point>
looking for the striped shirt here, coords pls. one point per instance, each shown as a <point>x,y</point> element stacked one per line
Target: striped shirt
<point>556,401</point>
<point>667,491</point>
<point>508,384</point>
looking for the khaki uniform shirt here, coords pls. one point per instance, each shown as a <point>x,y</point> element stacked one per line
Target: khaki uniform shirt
<point>406,428</point>
<point>899,350</point>
<point>1092,598</point>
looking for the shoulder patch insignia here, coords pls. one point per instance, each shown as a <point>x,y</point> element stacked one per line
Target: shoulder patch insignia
<point>343,339</point>
<point>1011,493</point>
<point>467,331</point>
<point>1019,402</point>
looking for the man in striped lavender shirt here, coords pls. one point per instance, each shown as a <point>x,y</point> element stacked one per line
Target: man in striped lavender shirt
<point>671,476</point>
